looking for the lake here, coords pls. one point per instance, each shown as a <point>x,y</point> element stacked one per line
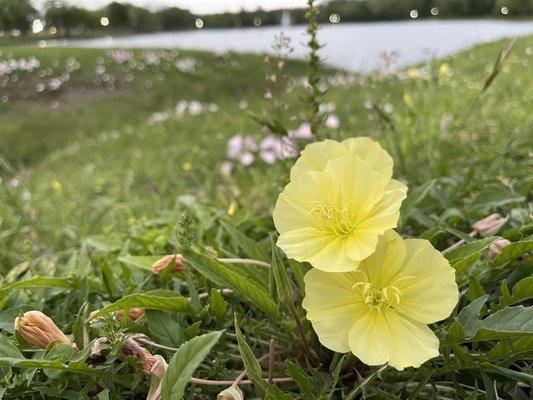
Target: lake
<point>352,46</point>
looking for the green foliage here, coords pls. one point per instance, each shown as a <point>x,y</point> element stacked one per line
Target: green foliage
<point>82,251</point>
<point>184,362</point>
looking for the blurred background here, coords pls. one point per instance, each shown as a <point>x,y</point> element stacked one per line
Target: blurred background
<point>111,112</point>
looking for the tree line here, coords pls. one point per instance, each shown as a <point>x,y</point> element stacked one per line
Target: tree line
<point>119,17</point>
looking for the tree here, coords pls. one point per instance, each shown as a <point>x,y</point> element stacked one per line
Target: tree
<point>16,14</point>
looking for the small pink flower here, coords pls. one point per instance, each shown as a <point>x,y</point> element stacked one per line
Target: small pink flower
<point>270,143</point>
<point>287,149</point>
<point>235,145</point>
<point>268,156</point>
<point>496,248</point>
<point>303,132</point>
<point>250,144</point>
<point>333,122</point>
<point>226,168</point>
<point>488,226</point>
<point>246,159</point>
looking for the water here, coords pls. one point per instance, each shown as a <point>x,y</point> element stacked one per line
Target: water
<point>353,46</point>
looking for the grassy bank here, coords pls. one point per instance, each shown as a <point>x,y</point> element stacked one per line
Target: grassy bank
<point>93,155</point>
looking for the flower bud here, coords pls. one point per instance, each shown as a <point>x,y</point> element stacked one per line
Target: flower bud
<point>160,265</point>
<point>133,313</point>
<point>231,393</point>
<point>489,225</point>
<point>157,372</point>
<point>39,330</point>
<point>132,348</point>
<point>496,248</point>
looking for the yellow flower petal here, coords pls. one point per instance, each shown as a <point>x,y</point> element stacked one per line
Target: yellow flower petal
<point>332,307</point>
<point>324,251</point>
<point>427,283</point>
<point>381,337</point>
<point>315,157</point>
<point>384,264</point>
<point>371,151</point>
<point>385,213</point>
<point>293,205</point>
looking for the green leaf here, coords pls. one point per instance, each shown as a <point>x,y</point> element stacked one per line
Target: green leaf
<point>77,367</point>
<point>511,348</point>
<point>163,329</point>
<point>302,379</point>
<point>415,197</point>
<point>39,282</point>
<point>8,348</point>
<point>515,375</point>
<point>218,305</point>
<point>468,317</point>
<point>225,277</point>
<point>469,249</point>
<point>184,362</point>
<point>247,245</point>
<point>159,300</point>
<point>283,284</point>
<point>522,290</point>
<point>143,262</point>
<point>512,252</point>
<point>79,328</point>
<point>251,365</point>
<point>509,322</point>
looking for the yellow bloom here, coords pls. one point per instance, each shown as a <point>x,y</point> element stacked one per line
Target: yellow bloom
<point>316,155</point>
<point>380,312</point>
<point>332,214</point>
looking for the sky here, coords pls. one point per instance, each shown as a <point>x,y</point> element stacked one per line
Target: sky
<point>196,6</point>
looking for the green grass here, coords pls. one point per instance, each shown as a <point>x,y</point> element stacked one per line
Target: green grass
<point>95,175</point>
<point>113,166</point>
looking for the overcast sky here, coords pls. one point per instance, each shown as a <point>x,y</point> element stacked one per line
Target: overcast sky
<point>196,6</point>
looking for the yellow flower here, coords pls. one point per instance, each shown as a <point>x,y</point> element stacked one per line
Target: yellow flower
<point>316,155</point>
<point>332,218</point>
<point>380,312</point>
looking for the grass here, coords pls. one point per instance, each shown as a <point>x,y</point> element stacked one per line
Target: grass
<point>112,166</point>
<point>86,166</point>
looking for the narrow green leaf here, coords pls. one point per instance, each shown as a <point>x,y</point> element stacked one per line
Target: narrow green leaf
<point>184,362</point>
<point>39,282</point>
<point>156,301</point>
<point>283,284</point>
<point>225,277</point>
<point>515,375</point>
<point>247,245</point>
<point>142,262</point>
<point>251,365</point>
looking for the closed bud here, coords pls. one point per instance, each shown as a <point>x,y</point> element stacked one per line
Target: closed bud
<point>231,393</point>
<point>496,248</point>
<point>39,330</point>
<point>133,313</point>
<point>160,265</point>
<point>488,226</point>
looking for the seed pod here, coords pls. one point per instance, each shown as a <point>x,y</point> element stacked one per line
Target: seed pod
<point>39,330</point>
